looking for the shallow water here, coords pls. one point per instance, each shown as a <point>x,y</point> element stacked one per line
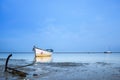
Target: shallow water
<point>67,71</point>
<point>64,66</point>
<point>91,58</point>
<point>69,57</point>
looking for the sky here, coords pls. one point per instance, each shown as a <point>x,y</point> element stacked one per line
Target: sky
<point>61,25</point>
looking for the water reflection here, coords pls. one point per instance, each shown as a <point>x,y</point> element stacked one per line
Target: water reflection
<point>43,59</point>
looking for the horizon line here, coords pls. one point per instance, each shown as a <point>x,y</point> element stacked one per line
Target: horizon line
<point>63,52</point>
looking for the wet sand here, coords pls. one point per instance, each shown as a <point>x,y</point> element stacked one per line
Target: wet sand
<point>62,71</point>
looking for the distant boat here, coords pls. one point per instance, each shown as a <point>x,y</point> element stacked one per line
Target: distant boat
<point>41,52</point>
<point>108,52</point>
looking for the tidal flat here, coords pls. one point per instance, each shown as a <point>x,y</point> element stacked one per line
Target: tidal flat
<point>61,70</point>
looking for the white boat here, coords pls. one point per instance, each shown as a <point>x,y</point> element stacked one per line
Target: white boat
<point>41,53</point>
<point>108,52</point>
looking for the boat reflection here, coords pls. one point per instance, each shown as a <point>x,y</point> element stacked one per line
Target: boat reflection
<point>43,59</point>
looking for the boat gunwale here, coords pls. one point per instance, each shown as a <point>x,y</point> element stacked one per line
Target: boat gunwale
<point>40,49</point>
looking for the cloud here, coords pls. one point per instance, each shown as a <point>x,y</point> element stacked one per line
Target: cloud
<point>62,37</point>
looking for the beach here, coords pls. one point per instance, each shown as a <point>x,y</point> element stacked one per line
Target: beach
<point>59,40</point>
<point>62,70</point>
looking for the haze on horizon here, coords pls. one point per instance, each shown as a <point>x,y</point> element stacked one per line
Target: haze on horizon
<point>63,25</point>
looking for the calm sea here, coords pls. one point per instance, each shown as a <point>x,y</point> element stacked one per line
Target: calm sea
<point>68,57</point>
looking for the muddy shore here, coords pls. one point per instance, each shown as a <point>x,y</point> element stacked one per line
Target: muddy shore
<point>62,71</point>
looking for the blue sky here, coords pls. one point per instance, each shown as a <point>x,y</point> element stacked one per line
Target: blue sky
<point>63,25</point>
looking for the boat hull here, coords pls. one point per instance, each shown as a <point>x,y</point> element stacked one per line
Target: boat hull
<point>42,53</point>
<point>108,52</point>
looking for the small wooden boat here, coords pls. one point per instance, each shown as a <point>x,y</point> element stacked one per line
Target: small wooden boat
<point>41,53</point>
